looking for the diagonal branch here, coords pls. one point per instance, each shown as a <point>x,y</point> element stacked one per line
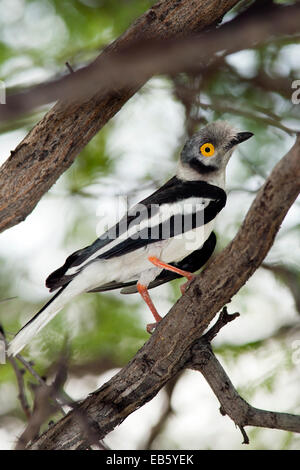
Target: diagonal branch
<point>232,404</point>
<point>170,348</point>
<point>165,415</point>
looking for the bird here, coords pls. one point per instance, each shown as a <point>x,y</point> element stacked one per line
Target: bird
<point>167,235</point>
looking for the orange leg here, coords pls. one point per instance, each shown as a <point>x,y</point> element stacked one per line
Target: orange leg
<point>163,265</point>
<point>145,294</point>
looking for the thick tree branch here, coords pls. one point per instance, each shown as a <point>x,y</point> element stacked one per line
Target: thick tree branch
<point>50,148</point>
<point>170,347</point>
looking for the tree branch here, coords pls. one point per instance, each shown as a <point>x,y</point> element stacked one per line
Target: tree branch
<point>160,54</point>
<point>170,348</point>
<point>223,107</point>
<point>19,373</point>
<point>165,415</point>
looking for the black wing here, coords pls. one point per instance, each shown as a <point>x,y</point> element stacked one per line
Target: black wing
<point>173,191</point>
<point>175,224</point>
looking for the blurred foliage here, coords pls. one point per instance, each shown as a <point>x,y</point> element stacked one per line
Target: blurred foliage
<point>94,163</point>
<point>69,29</point>
<point>105,331</point>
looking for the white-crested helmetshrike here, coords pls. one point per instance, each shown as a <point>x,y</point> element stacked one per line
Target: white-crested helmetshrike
<point>167,235</point>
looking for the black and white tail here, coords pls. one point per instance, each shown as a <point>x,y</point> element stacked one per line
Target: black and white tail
<point>40,320</point>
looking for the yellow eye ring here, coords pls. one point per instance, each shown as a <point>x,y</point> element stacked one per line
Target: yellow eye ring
<point>207,149</point>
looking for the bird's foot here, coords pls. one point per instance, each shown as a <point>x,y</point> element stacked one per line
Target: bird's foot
<point>173,269</point>
<point>151,327</point>
<point>184,286</point>
<point>145,295</point>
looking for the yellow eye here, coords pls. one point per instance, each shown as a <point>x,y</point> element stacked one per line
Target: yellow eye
<point>207,149</point>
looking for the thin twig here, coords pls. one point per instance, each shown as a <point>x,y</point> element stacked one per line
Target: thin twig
<point>223,319</point>
<point>20,380</point>
<point>7,299</point>
<point>45,405</point>
<point>225,108</point>
<point>69,67</point>
<point>166,413</point>
<point>30,369</point>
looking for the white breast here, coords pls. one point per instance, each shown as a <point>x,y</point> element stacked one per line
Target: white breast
<point>184,244</point>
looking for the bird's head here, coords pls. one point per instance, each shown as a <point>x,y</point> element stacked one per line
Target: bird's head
<point>206,153</point>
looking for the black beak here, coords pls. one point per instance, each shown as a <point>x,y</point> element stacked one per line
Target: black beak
<point>240,137</point>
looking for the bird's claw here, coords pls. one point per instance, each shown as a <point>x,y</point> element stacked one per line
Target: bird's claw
<point>184,286</point>
<point>151,327</point>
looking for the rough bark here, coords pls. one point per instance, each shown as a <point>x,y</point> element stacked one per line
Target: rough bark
<point>50,148</point>
<point>232,404</point>
<point>170,348</point>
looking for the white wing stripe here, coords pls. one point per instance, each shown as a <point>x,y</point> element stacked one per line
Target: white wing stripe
<point>165,212</point>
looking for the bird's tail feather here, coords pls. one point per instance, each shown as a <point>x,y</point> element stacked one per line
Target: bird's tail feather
<point>47,312</point>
